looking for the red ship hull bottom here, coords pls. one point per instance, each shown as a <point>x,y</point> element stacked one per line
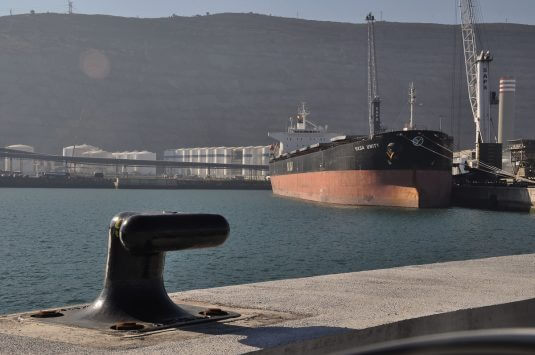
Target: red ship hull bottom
<point>399,188</point>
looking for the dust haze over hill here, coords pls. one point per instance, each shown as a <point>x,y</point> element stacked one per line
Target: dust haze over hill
<point>128,83</point>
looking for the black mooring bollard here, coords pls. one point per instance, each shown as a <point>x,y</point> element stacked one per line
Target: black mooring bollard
<point>134,293</point>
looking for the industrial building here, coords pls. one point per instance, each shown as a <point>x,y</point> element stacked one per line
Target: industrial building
<point>251,155</point>
<point>248,156</point>
<point>20,166</point>
<point>522,157</point>
<point>86,150</point>
<point>135,155</point>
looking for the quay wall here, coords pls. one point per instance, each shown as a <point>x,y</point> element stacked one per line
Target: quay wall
<point>162,183</point>
<point>512,198</point>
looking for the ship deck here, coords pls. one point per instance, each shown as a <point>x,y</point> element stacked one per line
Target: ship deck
<point>344,140</point>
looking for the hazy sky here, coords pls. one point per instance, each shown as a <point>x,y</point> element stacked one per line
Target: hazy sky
<point>437,11</point>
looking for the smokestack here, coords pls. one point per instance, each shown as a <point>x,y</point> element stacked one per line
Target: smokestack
<point>506,119</point>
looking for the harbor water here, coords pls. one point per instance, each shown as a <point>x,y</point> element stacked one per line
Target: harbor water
<point>53,241</point>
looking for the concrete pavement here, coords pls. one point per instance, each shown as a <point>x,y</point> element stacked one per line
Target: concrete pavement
<point>318,314</point>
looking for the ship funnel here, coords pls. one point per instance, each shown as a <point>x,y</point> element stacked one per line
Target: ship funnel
<point>506,118</point>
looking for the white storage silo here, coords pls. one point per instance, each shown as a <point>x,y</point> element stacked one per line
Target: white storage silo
<point>132,156</point>
<point>201,172</point>
<point>264,159</point>
<point>145,170</point>
<point>227,159</point>
<point>102,154</point>
<point>67,151</point>
<point>187,159</point>
<point>219,159</point>
<point>256,159</point>
<point>212,155</point>
<point>170,155</point>
<point>91,169</point>
<point>179,157</point>
<point>78,150</point>
<point>203,158</point>
<point>247,157</point>
<point>24,166</point>
<point>260,157</point>
<point>236,158</point>
<point>211,158</point>
<point>219,155</point>
<point>123,155</point>
<point>119,155</point>
<point>255,154</point>
<point>195,158</point>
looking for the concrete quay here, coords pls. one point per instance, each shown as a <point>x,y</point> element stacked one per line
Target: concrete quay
<point>317,314</point>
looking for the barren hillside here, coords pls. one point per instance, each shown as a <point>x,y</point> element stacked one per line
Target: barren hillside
<point>128,83</point>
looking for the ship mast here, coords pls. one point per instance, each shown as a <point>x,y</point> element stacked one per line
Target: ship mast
<point>302,113</point>
<point>374,101</point>
<point>477,71</point>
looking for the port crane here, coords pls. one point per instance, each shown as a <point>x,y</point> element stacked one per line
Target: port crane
<point>374,100</point>
<point>477,71</point>
<point>412,100</point>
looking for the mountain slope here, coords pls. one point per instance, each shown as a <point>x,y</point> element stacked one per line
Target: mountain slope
<point>127,83</point>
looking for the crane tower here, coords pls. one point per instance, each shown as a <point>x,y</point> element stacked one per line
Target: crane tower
<point>477,71</point>
<point>412,100</point>
<point>374,101</point>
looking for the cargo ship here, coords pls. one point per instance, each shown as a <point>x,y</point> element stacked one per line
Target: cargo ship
<point>401,168</point>
<point>405,168</point>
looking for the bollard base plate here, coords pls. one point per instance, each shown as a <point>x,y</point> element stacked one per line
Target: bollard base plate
<point>70,316</point>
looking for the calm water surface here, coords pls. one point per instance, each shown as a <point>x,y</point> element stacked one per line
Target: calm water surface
<point>53,241</point>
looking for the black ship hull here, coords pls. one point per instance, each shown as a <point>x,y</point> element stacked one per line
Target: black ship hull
<point>401,168</point>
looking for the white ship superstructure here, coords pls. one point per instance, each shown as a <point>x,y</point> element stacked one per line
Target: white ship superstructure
<point>301,133</point>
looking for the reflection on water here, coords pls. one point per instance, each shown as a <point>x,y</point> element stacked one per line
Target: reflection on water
<point>53,241</point>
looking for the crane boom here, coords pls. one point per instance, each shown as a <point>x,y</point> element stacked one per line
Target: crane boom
<point>374,101</point>
<point>470,51</point>
<point>477,70</point>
